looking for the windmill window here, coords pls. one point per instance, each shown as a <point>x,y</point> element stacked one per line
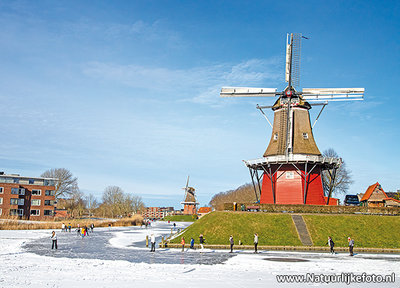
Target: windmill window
<point>305,135</point>
<point>276,136</point>
<point>289,175</point>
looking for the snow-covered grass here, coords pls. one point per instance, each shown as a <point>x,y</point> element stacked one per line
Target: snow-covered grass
<point>19,268</point>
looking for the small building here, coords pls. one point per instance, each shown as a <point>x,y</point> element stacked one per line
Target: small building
<point>31,198</point>
<point>391,202</point>
<point>332,201</point>
<point>376,197</point>
<point>203,211</point>
<point>61,213</point>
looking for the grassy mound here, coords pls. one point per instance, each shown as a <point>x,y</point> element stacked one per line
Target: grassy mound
<point>180,218</point>
<point>272,229</point>
<point>367,230</point>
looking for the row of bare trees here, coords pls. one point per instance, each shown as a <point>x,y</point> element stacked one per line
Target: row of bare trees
<point>114,203</point>
<point>243,194</point>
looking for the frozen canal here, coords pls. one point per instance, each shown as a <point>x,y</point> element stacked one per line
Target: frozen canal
<point>124,243</point>
<point>117,257</point>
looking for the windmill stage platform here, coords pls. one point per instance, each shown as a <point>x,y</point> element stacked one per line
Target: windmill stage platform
<point>264,162</point>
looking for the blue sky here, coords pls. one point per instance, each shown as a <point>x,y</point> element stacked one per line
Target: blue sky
<point>126,93</point>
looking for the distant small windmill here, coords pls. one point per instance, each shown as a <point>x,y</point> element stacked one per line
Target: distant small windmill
<point>190,201</point>
<point>291,168</point>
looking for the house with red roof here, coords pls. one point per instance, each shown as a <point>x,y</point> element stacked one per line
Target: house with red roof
<point>203,211</point>
<point>376,197</point>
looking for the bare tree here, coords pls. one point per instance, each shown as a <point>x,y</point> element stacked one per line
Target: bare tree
<point>242,194</point>
<point>137,204</point>
<point>66,184</point>
<point>118,203</point>
<point>113,197</point>
<point>91,203</point>
<point>336,183</point>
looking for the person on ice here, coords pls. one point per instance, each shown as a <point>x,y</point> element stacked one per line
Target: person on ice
<point>231,242</point>
<point>255,242</point>
<point>63,227</point>
<point>202,241</point>
<point>153,243</point>
<point>192,243</point>
<point>331,244</point>
<point>351,246</point>
<point>54,238</point>
<point>183,243</point>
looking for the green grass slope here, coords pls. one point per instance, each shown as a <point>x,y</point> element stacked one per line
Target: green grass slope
<point>366,230</point>
<point>272,229</point>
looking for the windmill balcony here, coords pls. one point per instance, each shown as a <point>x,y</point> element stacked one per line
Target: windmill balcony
<point>292,158</point>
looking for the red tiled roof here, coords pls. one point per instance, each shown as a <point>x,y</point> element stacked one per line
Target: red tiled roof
<point>204,210</point>
<point>369,191</point>
<point>389,198</point>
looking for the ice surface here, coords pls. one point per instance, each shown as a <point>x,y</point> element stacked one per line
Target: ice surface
<point>116,258</point>
<point>123,244</point>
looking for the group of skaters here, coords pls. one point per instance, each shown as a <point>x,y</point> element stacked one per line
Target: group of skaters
<point>66,228</point>
<point>331,244</point>
<point>80,231</point>
<point>255,242</point>
<point>84,231</point>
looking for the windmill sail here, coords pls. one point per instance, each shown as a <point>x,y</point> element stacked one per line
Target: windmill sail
<point>334,94</point>
<point>247,92</point>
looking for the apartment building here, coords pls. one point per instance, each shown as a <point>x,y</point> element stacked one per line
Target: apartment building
<point>30,198</point>
<point>157,212</point>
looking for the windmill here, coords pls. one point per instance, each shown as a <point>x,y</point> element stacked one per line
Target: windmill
<point>189,202</point>
<point>290,171</point>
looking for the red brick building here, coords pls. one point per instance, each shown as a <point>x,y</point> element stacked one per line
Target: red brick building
<point>30,198</point>
<point>157,212</point>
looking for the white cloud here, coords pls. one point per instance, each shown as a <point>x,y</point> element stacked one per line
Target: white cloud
<point>198,85</point>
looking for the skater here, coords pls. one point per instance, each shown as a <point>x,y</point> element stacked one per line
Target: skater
<point>174,226</point>
<point>231,242</point>
<point>69,227</point>
<point>153,243</point>
<point>63,227</point>
<point>192,243</point>
<point>202,241</point>
<point>78,231</point>
<point>83,232</point>
<point>91,227</point>
<point>331,244</point>
<point>255,242</point>
<point>183,243</point>
<point>54,238</point>
<point>351,246</point>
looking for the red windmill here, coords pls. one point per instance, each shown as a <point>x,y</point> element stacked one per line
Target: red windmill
<point>290,171</point>
<point>190,201</point>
